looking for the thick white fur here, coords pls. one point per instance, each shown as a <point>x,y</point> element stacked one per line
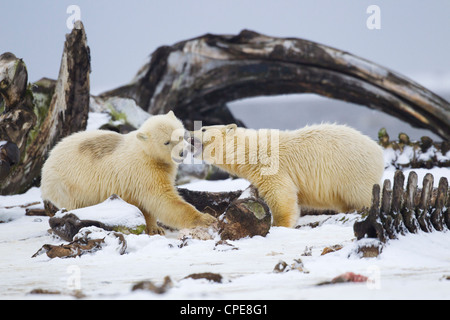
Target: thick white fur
<point>322,166</point>
<point>87,167</point>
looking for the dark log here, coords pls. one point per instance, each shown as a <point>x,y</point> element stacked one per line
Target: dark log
<point>67,113</point>
<point>246,216</point>
<point>214,203</point>
<point>197,77</point>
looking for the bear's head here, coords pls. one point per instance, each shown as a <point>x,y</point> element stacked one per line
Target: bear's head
<point>210,143</point>
<point>162,138</point>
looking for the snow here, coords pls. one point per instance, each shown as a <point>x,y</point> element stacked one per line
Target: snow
<point>415,266</point>
<point>96,120</point>
<point>111,212</point>
<point>214,186</point>
<point>412,267</point>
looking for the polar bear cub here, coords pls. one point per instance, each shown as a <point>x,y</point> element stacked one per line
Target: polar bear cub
<point>140,167</point>
<point>324,166</point>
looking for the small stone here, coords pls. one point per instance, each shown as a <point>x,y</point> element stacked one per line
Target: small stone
<point>369,248</point>
<point>150,286</point>
<point>330,249</point>
<point>280,267</point>
<point>210,276</point>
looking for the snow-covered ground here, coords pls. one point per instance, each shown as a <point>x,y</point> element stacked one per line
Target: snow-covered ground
<point>415,266</point>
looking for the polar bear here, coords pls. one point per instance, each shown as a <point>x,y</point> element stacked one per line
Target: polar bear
<point>140,167</point>
<point>324,166</point>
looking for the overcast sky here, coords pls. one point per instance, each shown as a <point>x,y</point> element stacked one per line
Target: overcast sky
<point>414,38</point>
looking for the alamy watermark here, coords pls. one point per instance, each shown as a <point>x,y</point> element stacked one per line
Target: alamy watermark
<point>223,145</point>
<point>74,278</point>
<point>75,15</point>
<point>374,277</point>
<point>373,22</point>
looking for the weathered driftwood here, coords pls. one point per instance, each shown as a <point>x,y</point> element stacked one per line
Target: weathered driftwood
<point>214,203</point>
<point>82,244</point>
<point>17,117</point>
<point>247,216</point>
<point>197,77</point>
<point>67,226</point>
<point>9,156</point>
<point>405,211</point>
<point>36,131</point>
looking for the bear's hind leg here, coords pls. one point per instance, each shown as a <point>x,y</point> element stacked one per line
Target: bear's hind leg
<point>152,227</point>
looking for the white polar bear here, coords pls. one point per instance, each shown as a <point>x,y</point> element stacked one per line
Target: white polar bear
<point>322,166</point>
<point>140,167</point>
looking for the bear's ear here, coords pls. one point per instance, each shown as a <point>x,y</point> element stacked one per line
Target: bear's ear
<point>170,113</point>
<point>142,136</point>
<point>230,128</point>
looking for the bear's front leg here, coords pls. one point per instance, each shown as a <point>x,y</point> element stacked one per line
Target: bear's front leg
<point>173,211</point>
<point>283,204</point>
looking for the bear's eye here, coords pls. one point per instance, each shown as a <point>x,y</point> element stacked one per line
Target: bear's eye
<point>203,130</point>
<point>166,143</point>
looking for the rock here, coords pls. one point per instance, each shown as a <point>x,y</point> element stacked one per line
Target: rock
<point>44,291</point>
<point>330,249</point>
<point>200,233</point>
<point>210,276</point>
<point>223,245</point>
<point>368,248</point>
<point>297,265</point>
<point>150,286</point>
<point>280,267</point>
